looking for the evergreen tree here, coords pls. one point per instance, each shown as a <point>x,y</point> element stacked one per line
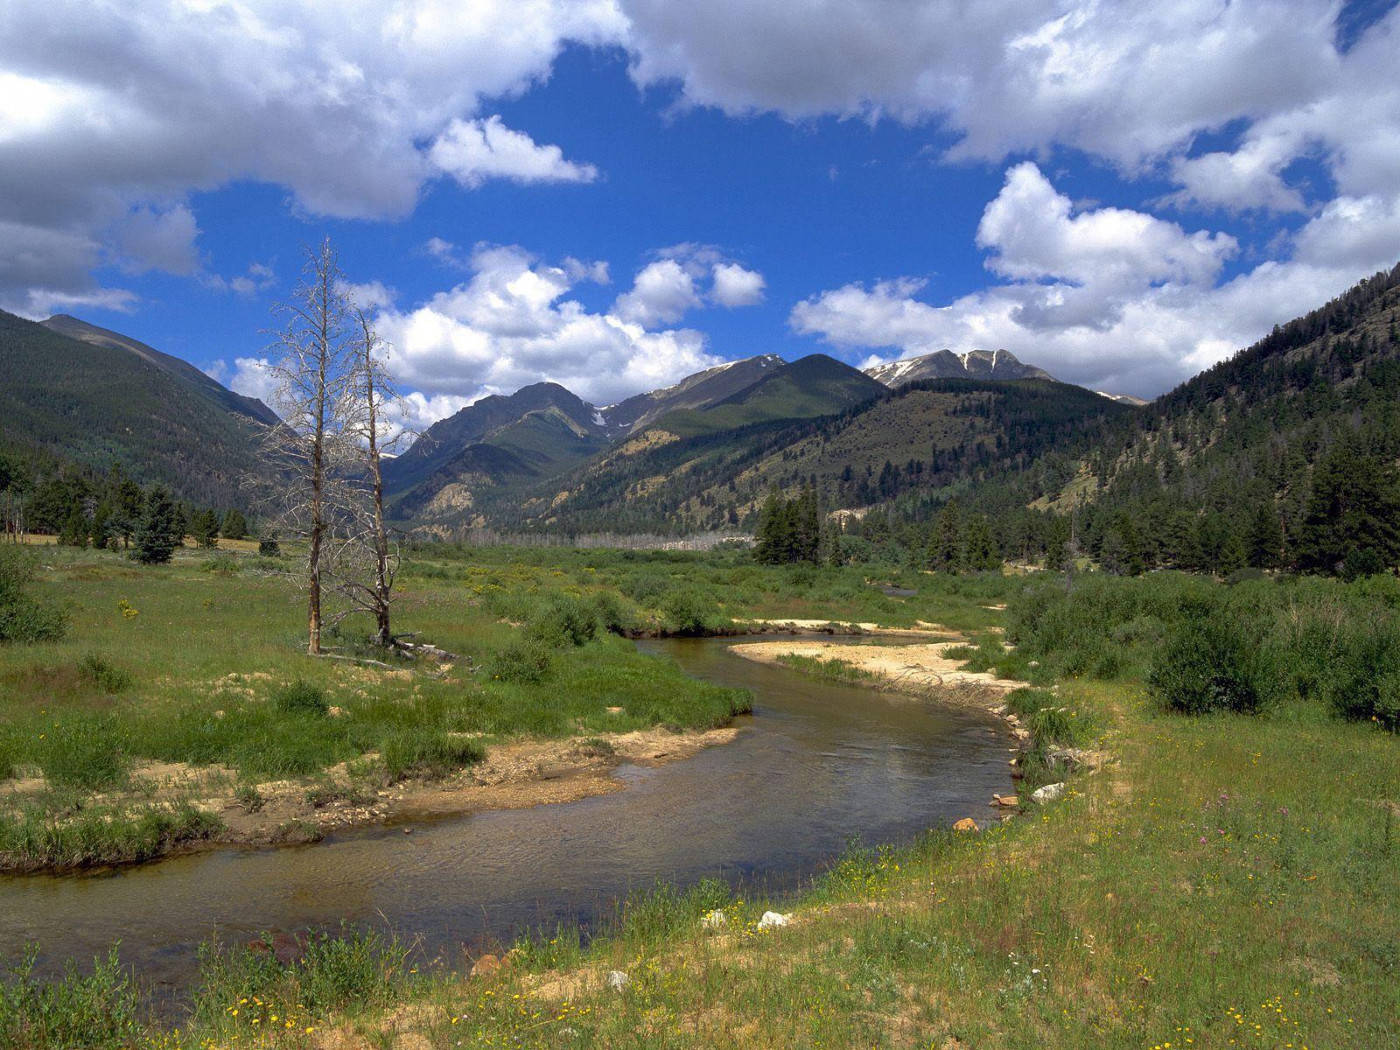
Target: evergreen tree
<point>1354,508</point>
<point>945,546</point>
<point>158,532</point>
<point>204,527</point>
<point>1265,541</point>
<point>235,526</point>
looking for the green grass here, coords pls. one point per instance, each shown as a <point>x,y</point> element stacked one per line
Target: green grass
<point>1223,880</point>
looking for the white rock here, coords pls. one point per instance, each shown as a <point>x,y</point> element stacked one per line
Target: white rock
<point>1048,793</point>
<point>771,919</point>
<point>713,920</point>
<point>617,980</point>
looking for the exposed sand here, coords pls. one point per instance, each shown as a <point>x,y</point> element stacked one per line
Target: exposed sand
<point>918,667</point>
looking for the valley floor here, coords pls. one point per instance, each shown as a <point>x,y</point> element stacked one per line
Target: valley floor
<point>1210,881</point>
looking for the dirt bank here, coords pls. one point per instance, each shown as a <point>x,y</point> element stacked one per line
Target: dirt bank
<point>516,775</point>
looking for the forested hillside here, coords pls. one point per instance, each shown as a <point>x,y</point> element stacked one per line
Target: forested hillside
<point>1247,463</point>
<point>98,405</point>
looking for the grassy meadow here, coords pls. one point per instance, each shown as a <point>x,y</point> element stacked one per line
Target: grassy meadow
<point>1224,872</point>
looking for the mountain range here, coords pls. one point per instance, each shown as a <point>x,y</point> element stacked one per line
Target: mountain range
<point>987,430</point>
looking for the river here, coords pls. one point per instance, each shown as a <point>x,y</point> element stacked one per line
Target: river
<point>816,764</point>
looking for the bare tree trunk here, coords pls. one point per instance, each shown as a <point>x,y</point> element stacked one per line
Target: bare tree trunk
<point>374,389</point>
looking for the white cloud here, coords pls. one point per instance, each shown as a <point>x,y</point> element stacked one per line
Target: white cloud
<point>112,109</point>
<point>686,277</point>
<point>513,323</point>
<point>662,293</point>
<point>472,151</point>
<point>1109,299</point>
<point>369,296</point>
<point>735,286</point>
<point>252,377</point>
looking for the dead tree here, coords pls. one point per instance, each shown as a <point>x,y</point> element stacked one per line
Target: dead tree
<point>313,369</point>
<point>368,559</point>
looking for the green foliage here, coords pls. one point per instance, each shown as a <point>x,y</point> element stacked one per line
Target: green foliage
<point>1352,521</point>
<point>523,660</point>
<point>565,620</point>
<point>97,1011</point>
<point>235,525</point>
<point>84,750</point>
<point>159,531</point>
<point>36,841</point>
<point>362,969</point>
<point>22,617</point>
<point>204,527</point>
<point>301,698</point>
<point>268,547</point>
<point>1208,663</point>
<point>104,674</point>
<point>690,611</point>
<point>428,753</point>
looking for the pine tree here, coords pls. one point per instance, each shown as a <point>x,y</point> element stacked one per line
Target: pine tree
<point>1265,542</point>
<point>1354,508</point>
<point>235,526</point>
<point>158,532</point>
<point>945,546</point>
<point>204,527</point>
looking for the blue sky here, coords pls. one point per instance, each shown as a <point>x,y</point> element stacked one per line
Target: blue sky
<point>615,193</point>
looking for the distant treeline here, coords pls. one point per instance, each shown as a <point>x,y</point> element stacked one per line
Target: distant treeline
<point>83,506</point>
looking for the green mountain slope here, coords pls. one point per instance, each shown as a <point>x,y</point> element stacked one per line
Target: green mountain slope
<point>812,386</point>
<point>74,328</point>
<point>99,405</point>
<point>925,439</point>
<point>699,391</point>
<point>1211,468</point>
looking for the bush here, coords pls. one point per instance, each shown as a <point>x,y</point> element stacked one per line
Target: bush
<point>523,660</point>
<point>691,612</point>
<point>223,564</point>
<point>98,1011</point>
<point>22,618</point>
<point>106,676</point>
<point>565,621</point>
<point>301,698</point>
<point>1208,664</point>
<point>268,546</point>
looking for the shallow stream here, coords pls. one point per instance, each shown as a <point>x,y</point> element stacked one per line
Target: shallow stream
<point>816,764</point>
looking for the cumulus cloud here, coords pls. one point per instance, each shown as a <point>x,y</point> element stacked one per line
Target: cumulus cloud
<point>735,286</point>
<point>1107,298</point>
<point>513,322</point>
<point>686,277</point>
<point>111,115</point>
<point>472,151</point>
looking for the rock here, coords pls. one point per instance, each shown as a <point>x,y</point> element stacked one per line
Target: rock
<point>1006,801</point>
<point>617,980</point>
<point>1048,793</point>
<point>713,920</point>
<point>966,824</point>
<point>772,919</point>
<point>1069,758</point>
<point>486,966</point>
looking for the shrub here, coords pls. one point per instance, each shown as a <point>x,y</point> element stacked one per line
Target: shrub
<point>22,618</point>
<point>106,676</point>
<point>565,621</point>
<point>99,1011</point>
<point>301,698</point>
<point>223,564</point>
<point>268,546</point>
<point>1207,664</point>
<point>523,660</point>
<point>690,612</point>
